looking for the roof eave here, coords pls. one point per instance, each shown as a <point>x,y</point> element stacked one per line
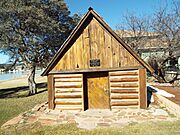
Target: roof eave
<point>45,72</point>
<point>102,22</point>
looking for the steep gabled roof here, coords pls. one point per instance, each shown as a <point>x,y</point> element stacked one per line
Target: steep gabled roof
<point>74,35</point>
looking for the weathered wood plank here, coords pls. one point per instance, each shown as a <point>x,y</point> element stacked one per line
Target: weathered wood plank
<point>86,50</point>
<point>142,88</point>
<point>68,85</point>
<point>124,91</point>
<point>115,53</point>
<point>123,84</point>
<point>68,102</point>
<point>68,76</point>
<point>120,73</point>
<point>51,92</point>
<point>73,93</point>
<point>124,100</point>
<point>79,52</point>
<point>124,103</point>
<point>68,107</point>
<point>69,99</point>
<point>124,57</point>
<point>74,57</point>
<point>93,44</point>
<point>96,39</point>
<point>64,90</point>
<point>94,70</point>
<point>68,80</point>
<point>101,46</point>
<point>124,107</point>
<point>124,79</point>
<point>124,96</point>
<point>68,64</point>
<point>108,50</point>
<point>68,96</point>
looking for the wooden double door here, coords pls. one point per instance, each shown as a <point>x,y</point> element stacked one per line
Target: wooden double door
<point>96,91</point>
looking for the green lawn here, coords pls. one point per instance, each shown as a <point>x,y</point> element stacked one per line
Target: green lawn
<point>11,107</point>
<point>148,128</point>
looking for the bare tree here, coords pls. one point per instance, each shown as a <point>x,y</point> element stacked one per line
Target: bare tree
<point>162,30</point>
<point>135,31</point>
<point>166,22</point>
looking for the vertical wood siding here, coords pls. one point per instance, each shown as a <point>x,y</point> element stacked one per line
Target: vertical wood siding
<point>68,91</point>
<point>95,43</point>
<point>50,91</point>
<point>142,88</point>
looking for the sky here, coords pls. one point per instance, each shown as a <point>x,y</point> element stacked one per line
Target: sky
<point>112,11</point>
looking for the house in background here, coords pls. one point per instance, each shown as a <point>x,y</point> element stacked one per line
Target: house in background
<point>151,46</point>
<point>2,69</point>
<point>95,69</point>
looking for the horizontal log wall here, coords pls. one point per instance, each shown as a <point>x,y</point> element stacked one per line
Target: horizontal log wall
<point>124,89</point>
<point>69,92</point>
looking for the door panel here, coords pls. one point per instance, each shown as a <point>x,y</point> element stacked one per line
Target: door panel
<point>98,92</point>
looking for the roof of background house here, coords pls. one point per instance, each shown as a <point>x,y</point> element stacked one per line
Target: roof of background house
<point>151,38</point>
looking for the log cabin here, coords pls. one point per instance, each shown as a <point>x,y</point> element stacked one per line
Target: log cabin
<point>95,69</point>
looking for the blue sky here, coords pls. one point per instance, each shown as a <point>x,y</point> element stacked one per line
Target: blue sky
<point>112,11</point>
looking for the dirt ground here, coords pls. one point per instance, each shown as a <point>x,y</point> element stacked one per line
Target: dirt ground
<point>173,90</point>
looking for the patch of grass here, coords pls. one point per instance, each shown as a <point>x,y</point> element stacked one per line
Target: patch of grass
<point>153,128</point>
<point>18,103</point>
<point>11,107</point>
<point>148,128</point>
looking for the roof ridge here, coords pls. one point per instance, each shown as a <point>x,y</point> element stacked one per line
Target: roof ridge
<point>106,26</point>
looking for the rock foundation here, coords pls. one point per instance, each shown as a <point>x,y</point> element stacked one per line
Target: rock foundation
<point>90,119</point>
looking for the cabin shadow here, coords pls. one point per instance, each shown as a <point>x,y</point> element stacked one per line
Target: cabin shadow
<point>21,91</point>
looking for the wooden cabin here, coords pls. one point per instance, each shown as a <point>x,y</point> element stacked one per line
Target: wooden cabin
<point>95,69</point>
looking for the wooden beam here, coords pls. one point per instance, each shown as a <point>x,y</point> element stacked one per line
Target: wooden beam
<point>95,70</point>
<point>68,80</point>
<point>124,73</point>
<point>68,102</point>
<point>142,88</point>
<point>124,103</point>
<point>68,107</point>
<point>68,76</point>
<point>128,84</point>
<point>124,90</point>
<point>73,95</point>
<point>68,85</point>
<point>51,92</point>
<point>125,79</point>
<point>124,107</point>
<point>67,90</point>
<point>124,96</point>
